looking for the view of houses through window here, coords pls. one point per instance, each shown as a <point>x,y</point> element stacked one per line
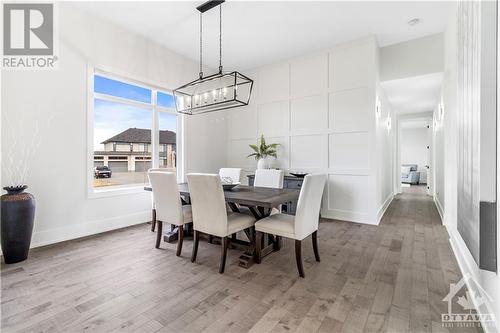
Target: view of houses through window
<point>123,122</point>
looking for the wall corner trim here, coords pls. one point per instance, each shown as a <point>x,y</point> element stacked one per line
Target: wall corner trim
<point>383,207</point>
<point>439,208</point>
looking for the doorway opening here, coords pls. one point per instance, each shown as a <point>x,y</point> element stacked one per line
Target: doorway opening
<point>415,152</point>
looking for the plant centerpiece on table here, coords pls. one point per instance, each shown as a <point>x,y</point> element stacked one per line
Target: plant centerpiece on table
<point>263,152</point>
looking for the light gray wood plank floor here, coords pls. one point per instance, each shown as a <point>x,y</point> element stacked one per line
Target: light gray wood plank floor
<point>386,278</point>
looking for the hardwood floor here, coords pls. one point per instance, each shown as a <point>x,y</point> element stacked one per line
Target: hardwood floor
<point>390,278</point>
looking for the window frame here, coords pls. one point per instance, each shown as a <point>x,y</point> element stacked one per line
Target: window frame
<point>155,134</point>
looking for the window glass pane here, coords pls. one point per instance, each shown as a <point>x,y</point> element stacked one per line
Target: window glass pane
<point>115,88</point>
<point>122,144</point>
<point>165,100</point>
<point>168,140</point>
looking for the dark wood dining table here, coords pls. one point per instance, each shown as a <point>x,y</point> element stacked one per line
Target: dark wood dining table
<point>259,201</point>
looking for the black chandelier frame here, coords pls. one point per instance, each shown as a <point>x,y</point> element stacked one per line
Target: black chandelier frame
<point>239,86</point>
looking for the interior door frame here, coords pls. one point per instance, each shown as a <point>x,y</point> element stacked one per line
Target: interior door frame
<point>402,118</point>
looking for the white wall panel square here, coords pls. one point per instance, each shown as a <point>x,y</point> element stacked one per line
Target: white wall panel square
<point>350,110</point>
<point>352,67</point>
<point>242,123</point>
<point>283,152</point>
<point>349,151</point>
<point>238,150</point>
<point>309,113</point>
<point>309,151</point>
<point>274,83</point>
<point>349,193</point>
<point>309,76</point>
<point>274,119</point>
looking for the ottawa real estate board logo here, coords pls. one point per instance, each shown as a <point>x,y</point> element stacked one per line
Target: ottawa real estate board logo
<point>468,305</point>
<point>28,36</point>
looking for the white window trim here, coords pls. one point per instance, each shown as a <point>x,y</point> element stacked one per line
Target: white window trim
<point>127,78</point>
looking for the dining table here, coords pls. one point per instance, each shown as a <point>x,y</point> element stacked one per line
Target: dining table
<point>259,201</point>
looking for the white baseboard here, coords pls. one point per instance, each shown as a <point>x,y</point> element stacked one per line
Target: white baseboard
<point>56,235</point>
<point>439,208</point>
<point>383,208</point>
<point>346,215</point>
<point>468,266</point>
<point>358,217</point>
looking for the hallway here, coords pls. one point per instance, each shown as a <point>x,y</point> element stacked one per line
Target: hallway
<point>424,264</point>
<point>390,278</point>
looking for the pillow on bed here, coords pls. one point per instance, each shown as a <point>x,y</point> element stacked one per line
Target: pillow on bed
<point>405,170</point>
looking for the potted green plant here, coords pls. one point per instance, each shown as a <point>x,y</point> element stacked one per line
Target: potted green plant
<point>263,152</point>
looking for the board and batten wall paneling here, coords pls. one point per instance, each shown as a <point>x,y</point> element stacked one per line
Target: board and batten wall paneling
<point>309,152</point>
<point>309,75</point>
<point>274,119</point>
<point>349,110</point>
<point>469,124</point>
<point>309,113</point>
<point>320,108</point>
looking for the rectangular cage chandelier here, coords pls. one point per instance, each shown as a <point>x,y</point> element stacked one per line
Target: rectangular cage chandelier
<point>217,91</point>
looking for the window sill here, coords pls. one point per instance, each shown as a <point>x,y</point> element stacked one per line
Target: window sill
<point>113,192</point>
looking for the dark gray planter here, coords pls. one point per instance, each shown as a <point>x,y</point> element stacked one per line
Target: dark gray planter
<point>18,213</point>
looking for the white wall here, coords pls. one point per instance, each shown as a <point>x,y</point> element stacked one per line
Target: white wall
<point>321,109</point>
<point>416,57</point>
<point>57,102</point>
<point>385,146</point>
<point>414,149</point>
<point>439,157</point>
<point>446,137</point>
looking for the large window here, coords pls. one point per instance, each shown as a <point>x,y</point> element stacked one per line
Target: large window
<point>135,128</point>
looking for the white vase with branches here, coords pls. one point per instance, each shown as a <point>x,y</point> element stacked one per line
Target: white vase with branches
<point>23,138</point>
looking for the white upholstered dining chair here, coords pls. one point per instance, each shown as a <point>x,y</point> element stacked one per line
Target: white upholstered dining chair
<point>210,215</point>
<point>233,173</point>
<point>304,223</point>
<point>168,205</point>
<point>269,178</point>
<point>153,210</point>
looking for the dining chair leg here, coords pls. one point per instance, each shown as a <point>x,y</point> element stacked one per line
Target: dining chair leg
<point>298,257</point>
<point>159,234</point>
<point>258,246</point>
<point>315,245</point>
<point>180,237</point>
<point>153,220</point>
<point>196,241</point>
<point>223,254</point>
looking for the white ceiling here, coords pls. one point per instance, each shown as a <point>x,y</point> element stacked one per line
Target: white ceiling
<point>258,33</point>
<point>414,94</point>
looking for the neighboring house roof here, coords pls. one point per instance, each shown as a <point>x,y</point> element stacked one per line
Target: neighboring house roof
<point>141,135</point>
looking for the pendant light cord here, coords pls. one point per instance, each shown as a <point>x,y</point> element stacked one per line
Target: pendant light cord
<point>220,38</point>
<point>201,45</point>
